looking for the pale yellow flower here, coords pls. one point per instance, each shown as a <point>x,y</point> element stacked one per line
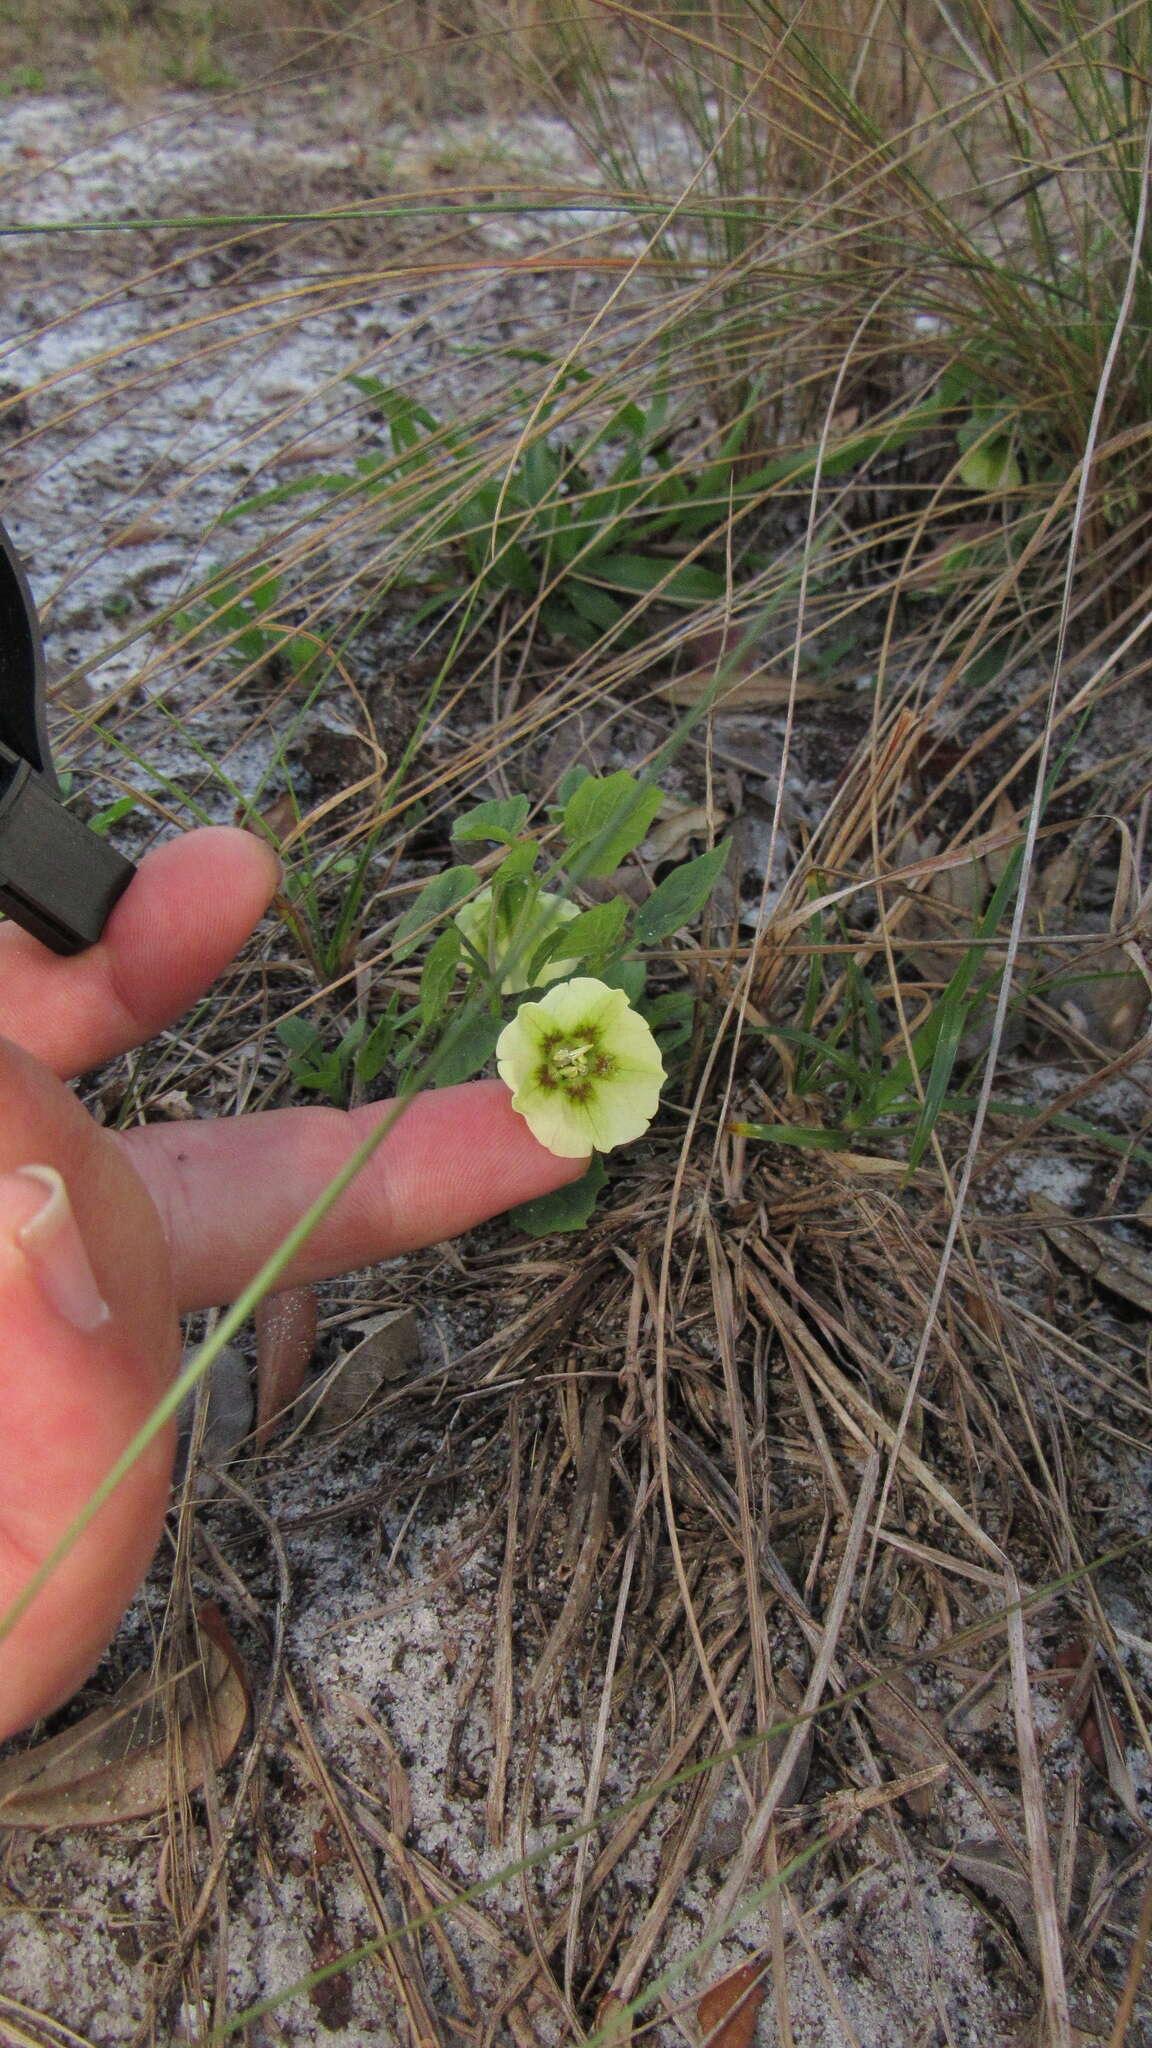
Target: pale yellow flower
<point>584,1069</point>
<point>497,936</point>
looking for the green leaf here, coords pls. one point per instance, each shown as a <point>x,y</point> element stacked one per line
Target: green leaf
<point>592,604</point>
<point>502,819</point>
<point>510,567</point>
<point>512,895</point>
<point>671,1017</point>
<point>595,931</point>
<point>566,1208</point>
<point>809,1137</point>
<point>564,623</point>
<point>350,1040</point>
<point>630,975</point>
<point>517,864</point>
<point>540,468</point>
<point>439,974</point>
<point>587,937</point>
<point>991,467</point>
<point>467,1047</point>
<point>102,821</point>
<point>678,898</point>
<point>376,1049</point>
<point>605,818</point>
<point>838,456</point>
<point>629,420</point>
<point>570,782</point>
<point>435,900</point>
<point>300,1038</point>
<point>326,1080</point>
<point>641,575</point>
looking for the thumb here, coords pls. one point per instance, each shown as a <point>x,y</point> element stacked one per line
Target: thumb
<point>90,1343</point>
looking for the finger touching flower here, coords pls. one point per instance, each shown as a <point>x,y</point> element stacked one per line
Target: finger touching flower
<point>584,1069</point>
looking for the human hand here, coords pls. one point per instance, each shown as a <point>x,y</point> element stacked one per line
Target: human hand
<point>99,1255</point>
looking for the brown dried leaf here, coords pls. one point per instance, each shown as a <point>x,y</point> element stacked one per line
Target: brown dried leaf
<point>116,1764</point>
<point>1103,1738</point>
<point>285,1342</point>
<point>670,836</point>
<point>1005,827</point>
<point>1100,994</point>
<point>388,1350</point>
<point>172,1107</point>
<point>909,1735</point>
<point>280,819</point>
<point>1092,1716</point>
<point>1123,1268</point>
<point>614,2021</point>
<point>137,534</point>
<point>993,1869</point>
<point>227,1422</point>
<point>332,1997</point>
<point>729,2010</point>
<point>755,687</point>
<point>1056,879</point>
<point>790,1704</point>
<point>982,1706</point>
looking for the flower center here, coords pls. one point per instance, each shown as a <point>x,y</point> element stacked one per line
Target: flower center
<point>573,1059</point>
<point>573,1064</point>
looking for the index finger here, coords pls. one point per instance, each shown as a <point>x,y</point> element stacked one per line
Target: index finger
<point>184,916</point>
<point>228,1190</point>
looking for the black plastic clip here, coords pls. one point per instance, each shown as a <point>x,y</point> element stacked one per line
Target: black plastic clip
<point>57,879</point>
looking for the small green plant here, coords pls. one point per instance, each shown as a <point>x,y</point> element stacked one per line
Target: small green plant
<point>842,1058</point>
<point>507,956</point>
<point>195,62</point>
<point>329,935</point>
<point>359,1052</point>
<point>581,530</point>
<point>586,533</point>
<point>247,623</point>
<point>22,78</point>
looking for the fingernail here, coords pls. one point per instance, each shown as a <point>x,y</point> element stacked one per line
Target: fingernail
<point>49,1237</point>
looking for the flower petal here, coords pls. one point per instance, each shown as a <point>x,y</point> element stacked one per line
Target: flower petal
<point>568,1110</point>
<point>556,1123</point>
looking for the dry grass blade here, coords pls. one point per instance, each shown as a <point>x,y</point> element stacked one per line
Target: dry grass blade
<point>727,1902</point>
<point>1136,1964</point>
<point>21,2026</point>
<point>503,1705</point>
<point>1057,2019</point>
<point>399,1960</point>
<point>861,1416</point>
<point>595,1784</point>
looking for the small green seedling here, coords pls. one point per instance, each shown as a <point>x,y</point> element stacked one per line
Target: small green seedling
<point>247,624</point>
<point>844,1059</point>
<point>360,1053</point>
